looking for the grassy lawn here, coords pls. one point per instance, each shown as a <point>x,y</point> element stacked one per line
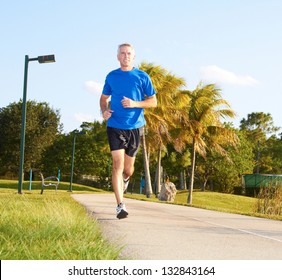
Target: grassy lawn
<point>220,202</point>
<point>53,226</point>
<point>230,203</point>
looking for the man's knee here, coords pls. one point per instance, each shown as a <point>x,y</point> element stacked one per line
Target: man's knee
<point>128,171</point>
<point>118,159</point>
<point>117,165</point>
<point>128,166</point>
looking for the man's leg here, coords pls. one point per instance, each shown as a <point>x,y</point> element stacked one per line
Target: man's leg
<point>128,166</point>
<point>128,170</point>
<point>117,181</point>
<point>117,174</point>
<point>123,168</point>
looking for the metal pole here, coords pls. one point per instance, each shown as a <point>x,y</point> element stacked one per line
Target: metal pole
<point>20,185</point>
<point>59,174</point>
<point>72,162</point>
<point>30,179</point>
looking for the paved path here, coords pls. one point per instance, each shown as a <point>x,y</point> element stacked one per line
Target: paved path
<point>155,231</point>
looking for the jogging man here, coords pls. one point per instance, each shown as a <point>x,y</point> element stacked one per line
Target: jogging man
<point>129,91</point>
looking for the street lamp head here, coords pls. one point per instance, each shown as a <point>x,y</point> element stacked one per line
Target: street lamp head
<point>46,58</point>
<point>76,132</point>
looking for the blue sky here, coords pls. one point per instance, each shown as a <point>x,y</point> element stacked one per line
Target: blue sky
<point>235,44</point>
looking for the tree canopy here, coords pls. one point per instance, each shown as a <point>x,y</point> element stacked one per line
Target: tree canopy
<point>42,128</point>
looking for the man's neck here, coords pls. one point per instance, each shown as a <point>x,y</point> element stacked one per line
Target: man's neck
<point>126,68</point>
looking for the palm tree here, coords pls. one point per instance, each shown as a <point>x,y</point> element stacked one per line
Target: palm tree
<point>202,125</point>
<point>162,119</point>
<point>148,184</point>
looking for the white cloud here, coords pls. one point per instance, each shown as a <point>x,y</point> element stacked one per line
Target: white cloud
<point>216,74</point>
<point>93,87</point>
<point>84,117</point>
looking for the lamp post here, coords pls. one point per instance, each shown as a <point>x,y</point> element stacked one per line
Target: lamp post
<point>72,158</point>
<point>40,59</point>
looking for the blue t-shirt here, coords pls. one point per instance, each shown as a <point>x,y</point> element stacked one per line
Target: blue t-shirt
<point>134,84</point>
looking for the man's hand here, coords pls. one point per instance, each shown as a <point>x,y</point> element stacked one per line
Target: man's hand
<point>127,102</point>
<point>107,114</point>
<point>149,102</point>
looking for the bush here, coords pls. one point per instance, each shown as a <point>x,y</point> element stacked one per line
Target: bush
<point>270,200</point>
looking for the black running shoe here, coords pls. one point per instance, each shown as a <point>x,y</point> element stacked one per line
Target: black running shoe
<point>121,211</point>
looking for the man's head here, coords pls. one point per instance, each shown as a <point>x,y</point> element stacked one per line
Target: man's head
<point>126,55</point>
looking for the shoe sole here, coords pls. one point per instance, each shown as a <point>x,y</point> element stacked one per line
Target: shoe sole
<point>122,214</point>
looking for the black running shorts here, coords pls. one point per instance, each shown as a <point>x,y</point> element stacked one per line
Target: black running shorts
<point>129,140</point>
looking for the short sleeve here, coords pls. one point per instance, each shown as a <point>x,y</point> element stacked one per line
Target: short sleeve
<point>107,88</point>
<point>148,87</point>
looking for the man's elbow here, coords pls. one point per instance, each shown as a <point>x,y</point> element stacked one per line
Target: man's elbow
<point>154,102</point>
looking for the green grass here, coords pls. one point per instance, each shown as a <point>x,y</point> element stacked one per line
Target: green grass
<point>219,202</point>
<point>230,203</point>
<point>51,226</point>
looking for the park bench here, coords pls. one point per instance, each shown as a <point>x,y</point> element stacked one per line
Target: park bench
<point>51,181</point>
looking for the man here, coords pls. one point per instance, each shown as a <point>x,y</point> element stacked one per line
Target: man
<point>128,90</point>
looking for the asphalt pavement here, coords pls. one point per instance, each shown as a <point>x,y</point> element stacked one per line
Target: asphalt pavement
<point>160,231</point>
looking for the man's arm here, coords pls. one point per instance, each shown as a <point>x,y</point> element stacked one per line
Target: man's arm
<point>104,101</point>
<point>149,102</point>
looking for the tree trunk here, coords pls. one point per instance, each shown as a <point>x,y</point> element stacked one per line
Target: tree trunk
<point>183,185</point>
<point>204,184</point>
<point>184,180</point>
<point>191,183</point>
<point>158,173</point>
<point>148,185</point>
<point>181,181</point>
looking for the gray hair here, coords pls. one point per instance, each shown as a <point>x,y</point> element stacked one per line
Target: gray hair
<point>125,45</point>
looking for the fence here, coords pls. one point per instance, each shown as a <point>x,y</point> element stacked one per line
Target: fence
<point>252,183</point>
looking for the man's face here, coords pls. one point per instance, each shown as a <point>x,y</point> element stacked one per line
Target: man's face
<point>126,56</point>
